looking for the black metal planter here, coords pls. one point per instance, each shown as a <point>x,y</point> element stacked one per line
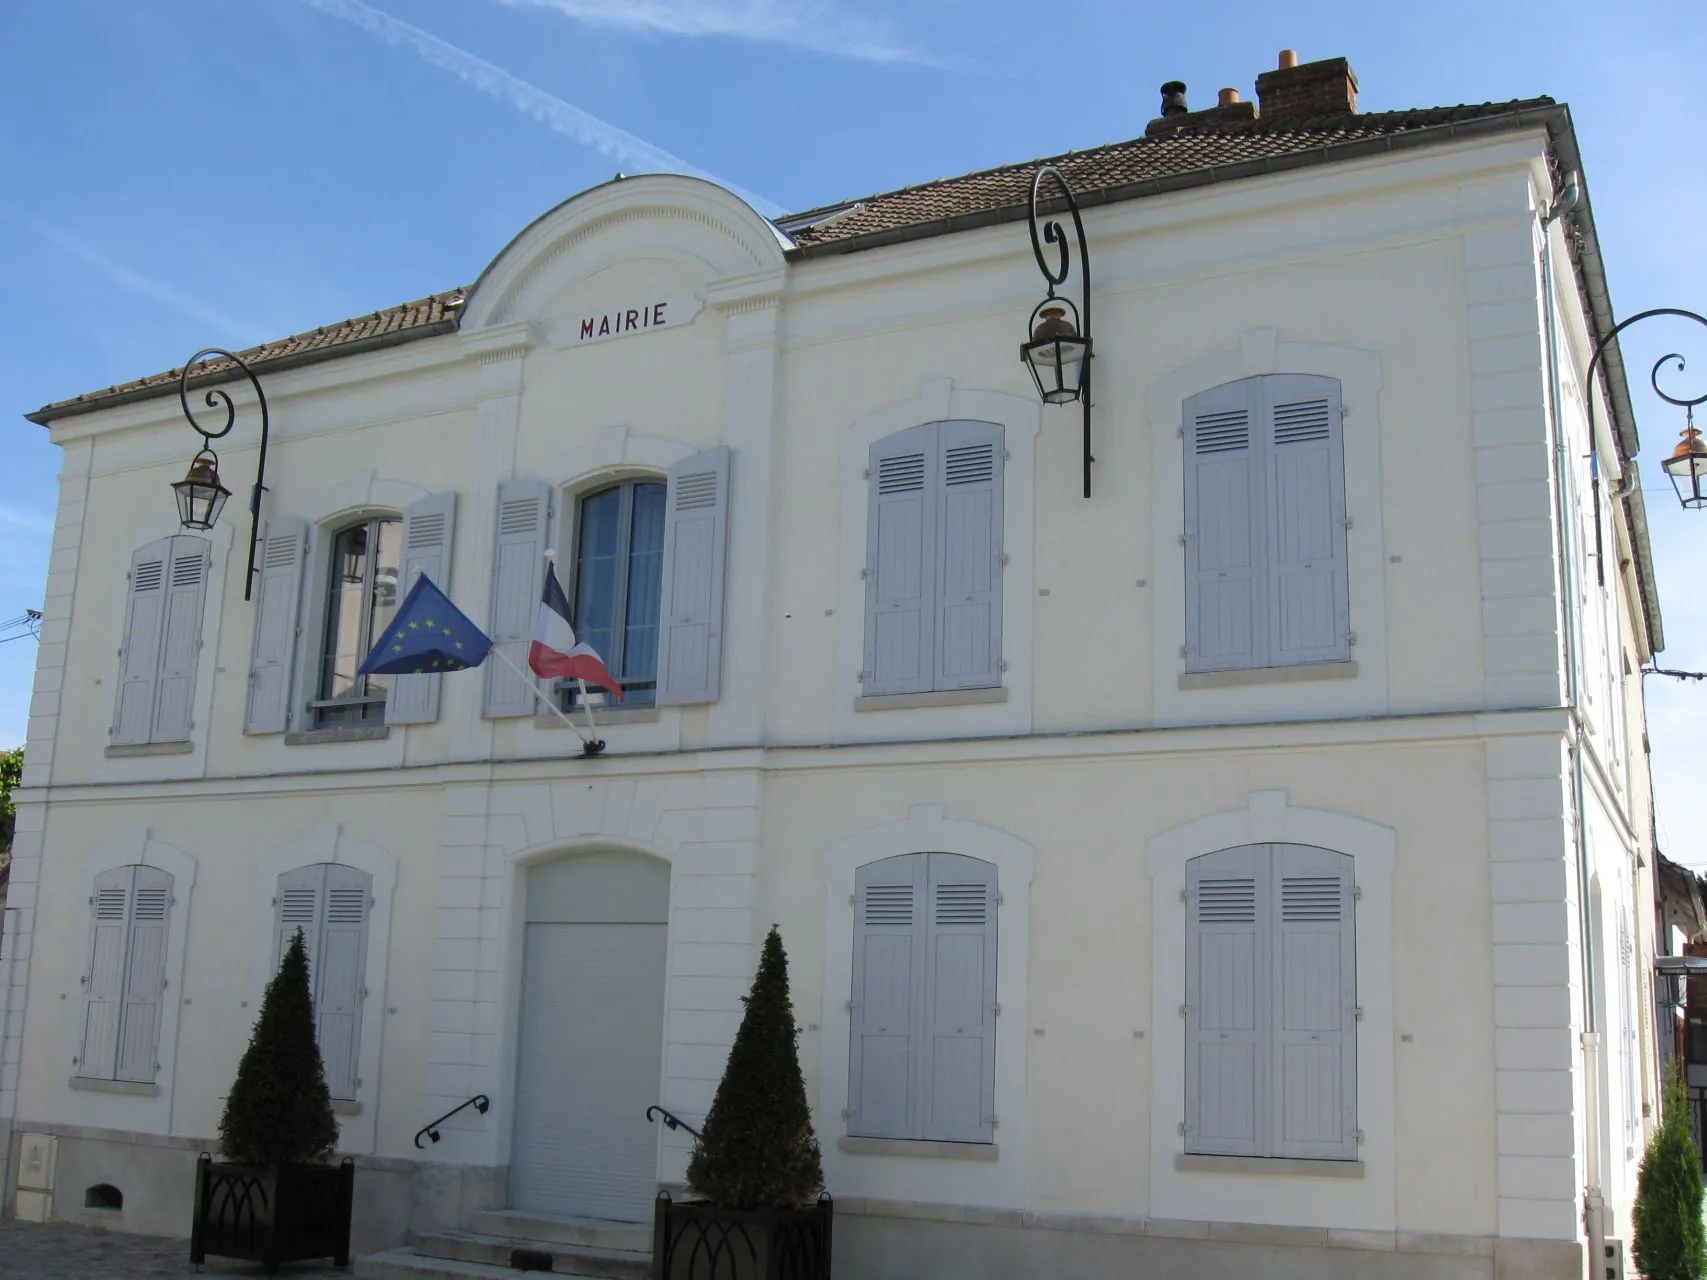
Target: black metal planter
<point>286,1214</point>
<point>694,1240</point>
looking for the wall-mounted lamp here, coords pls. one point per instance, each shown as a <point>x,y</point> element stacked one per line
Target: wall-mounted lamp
<point>200,495</point>
<point>1058,352</point>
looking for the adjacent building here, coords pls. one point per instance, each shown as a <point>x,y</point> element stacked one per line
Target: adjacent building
<point>1240,870</point>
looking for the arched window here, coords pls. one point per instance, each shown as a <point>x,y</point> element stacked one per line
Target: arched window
<point>361,597</point>
<point>161,643</point>
<point>618,575</point>
<point>1271,1003</point>
<point>1265,525</point>
<point>923,1041</point>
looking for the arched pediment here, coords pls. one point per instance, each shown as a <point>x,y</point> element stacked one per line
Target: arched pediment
<point>701,229</point>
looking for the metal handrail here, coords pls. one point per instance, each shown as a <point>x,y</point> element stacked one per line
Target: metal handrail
<point>671,1121</point>
<point>431,1130</point>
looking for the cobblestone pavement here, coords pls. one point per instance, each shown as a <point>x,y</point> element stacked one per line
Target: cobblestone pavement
<point>58,1252</point>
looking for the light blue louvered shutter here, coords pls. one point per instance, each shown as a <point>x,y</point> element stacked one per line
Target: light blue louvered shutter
<point>103,985</point>
<point>1227,994</point>
<point>969,575</point>
<point>696,534</point>
<point>429,527</point>
<point>888,970</point>
<point>139,651</point>
<point>297,905</point>
<point>518,569</point>
<point>1307,601</point>
<point>901,562</point>
<point>282,552</point>
<point>181,639</point>
<point>340,974</point>
<point>1314,980</point>
<point>959,1059</point>
<point>144,975</point>
<point>1224,552</point>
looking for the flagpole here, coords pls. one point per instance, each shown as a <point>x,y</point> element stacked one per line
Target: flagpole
<point>544,696</point>
<point>586,706</point>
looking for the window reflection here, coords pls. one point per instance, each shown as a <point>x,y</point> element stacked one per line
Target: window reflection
<point>361,601</point>
<point>619,567</point>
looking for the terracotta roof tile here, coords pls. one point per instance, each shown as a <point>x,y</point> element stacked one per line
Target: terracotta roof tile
<point>1192,147</point>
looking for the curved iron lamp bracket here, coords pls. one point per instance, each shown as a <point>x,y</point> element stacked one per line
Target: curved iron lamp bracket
<point>1670,357</point>
<point>1052,234</point>
<point>218,398</point>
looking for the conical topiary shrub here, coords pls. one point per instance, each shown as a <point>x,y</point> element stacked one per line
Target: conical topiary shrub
<point>279,1111</point>
<point>1670,1243</point>
<point>758,1151</point>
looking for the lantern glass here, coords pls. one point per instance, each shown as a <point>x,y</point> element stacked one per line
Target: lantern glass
<point>201,497</point>
<point>1687,468</point>
<point>1056,354</point>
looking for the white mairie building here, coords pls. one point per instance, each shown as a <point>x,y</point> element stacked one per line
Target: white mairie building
<point>1242,871</point>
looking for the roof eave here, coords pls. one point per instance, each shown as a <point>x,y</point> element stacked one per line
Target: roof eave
<point>277,364</point>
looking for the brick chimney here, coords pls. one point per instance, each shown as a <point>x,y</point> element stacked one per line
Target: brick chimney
<point>1297,90</point>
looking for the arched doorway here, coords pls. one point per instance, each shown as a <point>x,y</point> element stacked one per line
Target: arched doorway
<point>589,1057</point>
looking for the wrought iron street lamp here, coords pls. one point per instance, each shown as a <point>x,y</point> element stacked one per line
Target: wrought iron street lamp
<point>200,495</point>
<point>1058,353</point>
<point>1687,465</point>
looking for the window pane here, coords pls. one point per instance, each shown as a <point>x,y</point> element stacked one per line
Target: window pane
<point>645,577</point>
<point>387,563</point>
<point>597,571</point>
<point>344,613</point>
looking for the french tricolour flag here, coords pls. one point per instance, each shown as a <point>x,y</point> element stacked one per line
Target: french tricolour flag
<point>555,651</point>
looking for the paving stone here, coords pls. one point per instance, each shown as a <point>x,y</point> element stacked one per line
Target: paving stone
<point>61,1252</point>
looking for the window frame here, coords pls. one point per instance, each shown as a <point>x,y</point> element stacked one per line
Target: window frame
<point>321,705</point>
<point>567,692</point>
<point>169,925</point>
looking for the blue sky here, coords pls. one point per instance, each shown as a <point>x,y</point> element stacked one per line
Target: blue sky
<point>183,173</point>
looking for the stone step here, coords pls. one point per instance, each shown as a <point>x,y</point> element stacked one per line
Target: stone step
<point>566,1259</point>
<point>597,1232</point>
<point>406,1264</point>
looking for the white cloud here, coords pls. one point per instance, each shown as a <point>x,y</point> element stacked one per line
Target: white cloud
<point>228,329</point>
<point>806,24</point>
<point>556,114</point>
<point>29,521</point>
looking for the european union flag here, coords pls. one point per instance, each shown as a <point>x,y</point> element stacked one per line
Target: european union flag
<point>429,633</point>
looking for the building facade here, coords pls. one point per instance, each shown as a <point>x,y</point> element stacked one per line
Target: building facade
<point>1245,867</point>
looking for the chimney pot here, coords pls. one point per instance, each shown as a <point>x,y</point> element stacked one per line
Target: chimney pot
<point>1229,97</point>
<point>1288,59</point>
<point>1173,98</point>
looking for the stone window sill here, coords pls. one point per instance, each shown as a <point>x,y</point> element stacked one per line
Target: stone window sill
<point>136,1088</point>
<point>983,1151</point>
<point>601,717</point>
<point>346,1107</point>
<point>150,749</point>
<point>1269,1166</point>
<point>349,733</point>
<point>1269,675</point>
<point>941,698</point>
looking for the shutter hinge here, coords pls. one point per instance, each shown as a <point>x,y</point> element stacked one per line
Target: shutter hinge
<point>860,677</point>
<point>1357,893</point>
<point>1183,1009</point>
<point>853,899</point>
<point>1351,637</point>
<point>847,1114</point>
<point>1001,898</point>
<point>1180,432</point>
<point>864,573</point>
<point>848,1006</point>
<point>1358,1135</point>
<point>994,1121</point>
<point>1348,522</point>
<point>1002,559</point>
<point>1182,539</point>
<point>1003,664</point>
<point>864,475</point>
<point>1357,1012</point>
<point>164,983</point>
<point>996,1008</point>
<point>1183,897</point>
<point>1180,1128</point>
<point>1185,651</point>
